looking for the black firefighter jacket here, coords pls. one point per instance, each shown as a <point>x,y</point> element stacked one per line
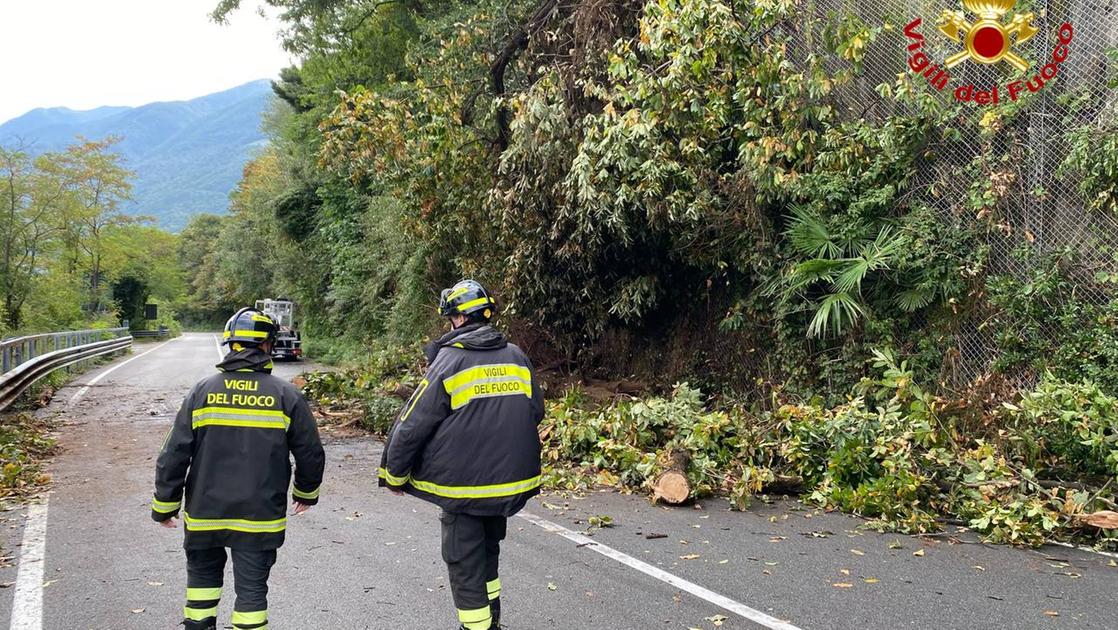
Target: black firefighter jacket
<point>468,439</point>
<point>230,450</point>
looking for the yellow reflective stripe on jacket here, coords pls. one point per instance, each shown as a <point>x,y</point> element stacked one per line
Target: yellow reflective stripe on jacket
<point>478,492</point>
<point>203,594</point>
<point>299,494</point>
<point>458,380</point>
<point>236,417</point>
<point>488,381</point>
<point>414,399</point>
<point>233,524</point>
<point>165,507</point>
<point>392,479</point>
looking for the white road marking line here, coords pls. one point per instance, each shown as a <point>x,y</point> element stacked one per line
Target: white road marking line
<point>27,602</point>
<point>721,601</point>
<point>1109,554</point>
<point>220,354</point>
<point>96,379</point>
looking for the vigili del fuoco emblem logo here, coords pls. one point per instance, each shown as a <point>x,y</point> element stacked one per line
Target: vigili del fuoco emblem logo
<point>988,39</point>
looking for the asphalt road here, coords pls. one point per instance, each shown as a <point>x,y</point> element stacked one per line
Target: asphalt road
<point>366,559</point>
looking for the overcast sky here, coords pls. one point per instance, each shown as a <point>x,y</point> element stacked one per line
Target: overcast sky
<point>87,53</point>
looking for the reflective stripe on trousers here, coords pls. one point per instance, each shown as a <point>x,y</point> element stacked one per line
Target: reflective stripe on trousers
<point>205,571</point>
<point>471,547</point>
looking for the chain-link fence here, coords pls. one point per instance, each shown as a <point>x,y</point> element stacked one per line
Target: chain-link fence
<point>1039,209</point>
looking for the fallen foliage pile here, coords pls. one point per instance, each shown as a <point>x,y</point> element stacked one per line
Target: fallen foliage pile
<point>369,396</point>
<point>24,446</point>
<point>1018,473</point>
<point>1042,467</point>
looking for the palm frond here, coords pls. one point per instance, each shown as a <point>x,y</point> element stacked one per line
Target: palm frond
<point>874,256</point>
<point>837,313</point>
<point>818,268</point>
<point>913,300</point>
<point>850,279</point>
<point>809,236</point>
<point>887,244</point>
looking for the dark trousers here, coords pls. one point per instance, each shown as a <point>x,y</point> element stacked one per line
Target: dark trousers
<point>471,548</point>
<point>205,573</point>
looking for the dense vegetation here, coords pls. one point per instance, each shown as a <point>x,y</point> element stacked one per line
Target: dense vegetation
<point>706,191</point>
<point>667,190</point>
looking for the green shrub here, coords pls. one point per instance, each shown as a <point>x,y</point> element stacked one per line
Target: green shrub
<point>1070,428</point>
<point>373,390</point>
<point>1042,325</point>
<point>890,453</point>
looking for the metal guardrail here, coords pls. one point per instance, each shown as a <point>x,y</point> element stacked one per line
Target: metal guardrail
<point>28,359</point>
<point>162,332</point>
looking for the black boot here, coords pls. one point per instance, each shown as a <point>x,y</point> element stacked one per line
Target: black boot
<point>495,610</point>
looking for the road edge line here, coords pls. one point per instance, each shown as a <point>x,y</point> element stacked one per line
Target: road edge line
<point>96,379</point>
<point>701,592</point>
<point>1083,548</point>
<point>27,601</point>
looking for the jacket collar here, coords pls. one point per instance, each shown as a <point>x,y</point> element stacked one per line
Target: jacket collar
<point>478,336</point>
<point>249,359</point>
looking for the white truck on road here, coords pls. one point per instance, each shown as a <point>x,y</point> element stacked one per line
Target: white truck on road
<point>288,341</point>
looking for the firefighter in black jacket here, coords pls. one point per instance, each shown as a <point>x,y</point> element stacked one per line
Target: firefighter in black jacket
<point>229,451</point>
<point>468,441</point>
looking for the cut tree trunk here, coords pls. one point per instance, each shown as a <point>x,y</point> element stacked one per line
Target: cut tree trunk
<point>671,486</point>
<point>1103,520</point>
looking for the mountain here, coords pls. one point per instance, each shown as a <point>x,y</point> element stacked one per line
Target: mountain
<point>187,155</point>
